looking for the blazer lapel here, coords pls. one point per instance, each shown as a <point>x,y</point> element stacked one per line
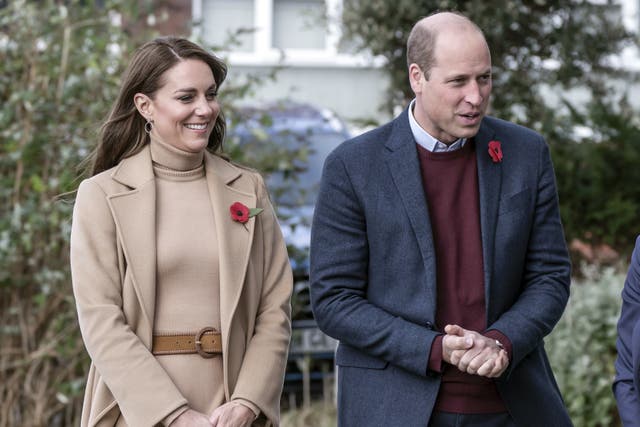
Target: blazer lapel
<point>404,167</point>
<point>234,238</point>
<point>489,183</point>
<point>134,212</point>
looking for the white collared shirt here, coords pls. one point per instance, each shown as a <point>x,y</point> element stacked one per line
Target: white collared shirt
<point>427,141</point>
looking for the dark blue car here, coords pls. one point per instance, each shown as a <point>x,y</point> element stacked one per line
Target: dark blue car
<point>311,133</point>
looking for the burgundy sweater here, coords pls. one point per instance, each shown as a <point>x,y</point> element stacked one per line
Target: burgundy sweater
<point>450,181</point>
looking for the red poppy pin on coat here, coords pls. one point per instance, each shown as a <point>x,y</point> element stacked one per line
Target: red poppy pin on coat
<point>241,213</point>
<point>495,151</point>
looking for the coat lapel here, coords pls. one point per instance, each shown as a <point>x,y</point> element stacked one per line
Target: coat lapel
<point>234,239</point>
<point>489,183</point>
<point>404,166</point>
<point>134,212</point>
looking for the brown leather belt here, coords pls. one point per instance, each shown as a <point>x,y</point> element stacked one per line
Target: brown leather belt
<point>207,343</point>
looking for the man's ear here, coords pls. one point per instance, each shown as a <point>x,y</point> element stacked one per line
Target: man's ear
<point>143,105</point>
<point>415,78</point>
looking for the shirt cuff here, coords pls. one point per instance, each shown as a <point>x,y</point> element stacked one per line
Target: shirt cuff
<point>435,356</point>
<point>502,338</point>
<point>175,414</point>
<point>254,408</point>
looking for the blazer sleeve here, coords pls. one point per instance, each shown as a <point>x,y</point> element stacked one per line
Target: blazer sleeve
<point>142,389</point>
<point>545,279</point>
<point>625,385</point>
<point>339,280</point>
<point>261,376</point>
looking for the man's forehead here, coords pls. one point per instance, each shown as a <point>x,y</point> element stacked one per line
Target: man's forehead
<point>460,66</point>
<point>458,47</point>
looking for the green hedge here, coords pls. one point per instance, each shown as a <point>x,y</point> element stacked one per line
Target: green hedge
<point>597,175</point>
<point>582,348</point>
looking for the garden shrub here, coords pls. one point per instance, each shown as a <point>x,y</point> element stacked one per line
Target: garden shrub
<point>582,348</point>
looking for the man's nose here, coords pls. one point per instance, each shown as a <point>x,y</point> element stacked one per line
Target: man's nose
<point>473,94</point>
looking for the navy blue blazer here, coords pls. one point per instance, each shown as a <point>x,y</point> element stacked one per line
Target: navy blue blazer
<point>373,273</point>
<point>626,385</point>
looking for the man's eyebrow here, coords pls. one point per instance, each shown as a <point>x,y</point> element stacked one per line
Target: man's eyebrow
<point>457,76</point>
<point>466,76</point>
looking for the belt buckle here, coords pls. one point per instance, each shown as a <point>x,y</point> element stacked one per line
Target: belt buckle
<point>199,349</point>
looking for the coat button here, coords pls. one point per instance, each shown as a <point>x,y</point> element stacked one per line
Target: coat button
<point>429,325</point>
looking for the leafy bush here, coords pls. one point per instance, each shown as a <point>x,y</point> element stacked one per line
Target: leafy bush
<point>597,175</point>
<point>59,70</point>
<point>59,73</point>
<point>582,348</point>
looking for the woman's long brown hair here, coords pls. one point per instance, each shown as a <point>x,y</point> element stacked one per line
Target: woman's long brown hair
<point>123,134</point>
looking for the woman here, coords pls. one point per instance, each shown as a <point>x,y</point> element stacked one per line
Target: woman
<point>179,269</point>
<point>626,385</point>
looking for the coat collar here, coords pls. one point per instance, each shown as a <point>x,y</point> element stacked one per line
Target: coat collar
<point>489,187</point>
<point>135,217</point>
<point>134,211</point>
<point>404,166</point>
<point>234,240</point>
<point>136,170</point>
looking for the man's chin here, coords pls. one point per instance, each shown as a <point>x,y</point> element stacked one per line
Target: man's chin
<point>470,131</point>
<point>467,133</point>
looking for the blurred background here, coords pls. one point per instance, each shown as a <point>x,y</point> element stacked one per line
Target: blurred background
<point>303,76</point>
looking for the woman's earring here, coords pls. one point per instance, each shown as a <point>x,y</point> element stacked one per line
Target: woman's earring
<point>148,126</point>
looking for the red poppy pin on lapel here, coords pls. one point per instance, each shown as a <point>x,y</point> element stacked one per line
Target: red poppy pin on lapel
<point>495,151</point>
<point>240,213</point>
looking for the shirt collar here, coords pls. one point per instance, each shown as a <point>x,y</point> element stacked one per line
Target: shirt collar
<point>427,141</point>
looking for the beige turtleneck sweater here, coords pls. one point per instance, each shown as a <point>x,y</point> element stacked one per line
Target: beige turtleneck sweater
<point>187,249</point>
<point>187,280</point>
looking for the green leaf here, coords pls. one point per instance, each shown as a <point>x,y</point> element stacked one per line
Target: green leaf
<point>254,211</point>
<point>37,184</point>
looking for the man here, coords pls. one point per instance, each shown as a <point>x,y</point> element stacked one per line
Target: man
<point>626,385</point>
<point>438,258</point>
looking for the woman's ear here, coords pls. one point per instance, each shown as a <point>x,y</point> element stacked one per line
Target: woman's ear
<point>143,105</point>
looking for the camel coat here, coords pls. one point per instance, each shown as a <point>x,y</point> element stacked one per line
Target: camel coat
<point>113,265</point>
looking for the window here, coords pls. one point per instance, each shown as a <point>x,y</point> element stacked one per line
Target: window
<point>299,24</point>
<point>225,17</point>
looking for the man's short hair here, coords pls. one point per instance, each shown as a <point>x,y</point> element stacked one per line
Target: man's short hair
<point>422,42</point>
<point>421,48</point>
